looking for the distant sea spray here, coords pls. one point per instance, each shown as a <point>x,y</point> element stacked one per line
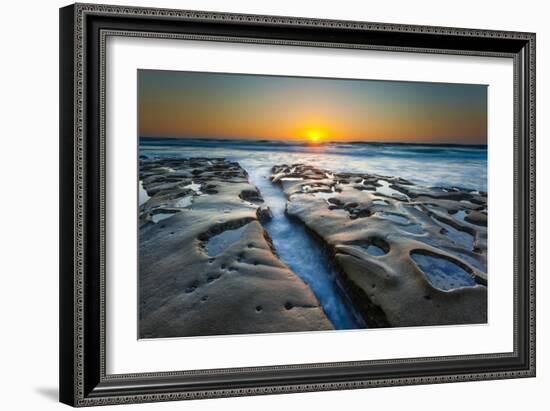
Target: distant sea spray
<point>426,164</point>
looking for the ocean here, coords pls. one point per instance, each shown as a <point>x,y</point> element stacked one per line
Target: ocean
<point>429,165</point>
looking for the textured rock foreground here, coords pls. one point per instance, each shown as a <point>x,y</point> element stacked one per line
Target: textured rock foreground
<point>206,265</point>
<point>408,255</point>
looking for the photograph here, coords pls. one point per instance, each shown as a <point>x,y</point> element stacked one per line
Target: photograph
<point>279,204</point>
<point>273,200</point>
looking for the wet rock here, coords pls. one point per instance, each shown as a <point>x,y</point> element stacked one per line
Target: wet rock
<point>477,218</point>
<point>264,214</point>
<point>206,267</point>
<point>408,255</point>
<point>252,196</point>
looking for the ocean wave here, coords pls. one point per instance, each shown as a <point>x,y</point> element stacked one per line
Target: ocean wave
<point>430,165</point>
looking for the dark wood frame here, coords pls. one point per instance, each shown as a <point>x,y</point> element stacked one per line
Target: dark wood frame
<point>83,30</point>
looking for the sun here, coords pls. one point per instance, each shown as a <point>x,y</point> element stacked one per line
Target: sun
<point>315,135</point>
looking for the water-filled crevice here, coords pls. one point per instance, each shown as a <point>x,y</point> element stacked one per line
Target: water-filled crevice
<point>219,242</point>
<point>222,235</point>
<point>442,272</point>
<point>302,253</point>
<point>374,246</point>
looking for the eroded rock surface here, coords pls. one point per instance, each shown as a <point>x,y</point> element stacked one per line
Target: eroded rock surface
<point>206,265</point>
<point>409,255</point>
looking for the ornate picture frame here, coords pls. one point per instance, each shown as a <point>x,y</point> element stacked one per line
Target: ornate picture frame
<point>84,30</point>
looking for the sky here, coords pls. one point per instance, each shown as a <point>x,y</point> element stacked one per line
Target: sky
<point>184,104</point>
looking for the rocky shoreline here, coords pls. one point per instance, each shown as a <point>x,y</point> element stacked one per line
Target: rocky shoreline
<point>206,264</point>
<point>408,255</point>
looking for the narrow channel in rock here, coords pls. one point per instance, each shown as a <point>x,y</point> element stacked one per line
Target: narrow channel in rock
<point>302,253</point>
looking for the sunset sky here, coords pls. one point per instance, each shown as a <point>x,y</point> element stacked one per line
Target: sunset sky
<point>239,106</point>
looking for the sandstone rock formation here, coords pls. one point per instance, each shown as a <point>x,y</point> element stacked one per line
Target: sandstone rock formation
<point>408,255</point>
<point>206,265</point>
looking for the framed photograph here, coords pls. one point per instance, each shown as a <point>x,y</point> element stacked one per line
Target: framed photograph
<point>261,204</point>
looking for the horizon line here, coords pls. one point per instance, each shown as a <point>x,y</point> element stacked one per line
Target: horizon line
<point>305,141</point>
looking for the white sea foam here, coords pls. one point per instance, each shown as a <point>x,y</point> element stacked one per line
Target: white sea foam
<point>428,165</point>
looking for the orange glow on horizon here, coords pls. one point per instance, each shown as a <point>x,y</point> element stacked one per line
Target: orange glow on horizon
<point>315,135</point>
<point>313,110</point>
